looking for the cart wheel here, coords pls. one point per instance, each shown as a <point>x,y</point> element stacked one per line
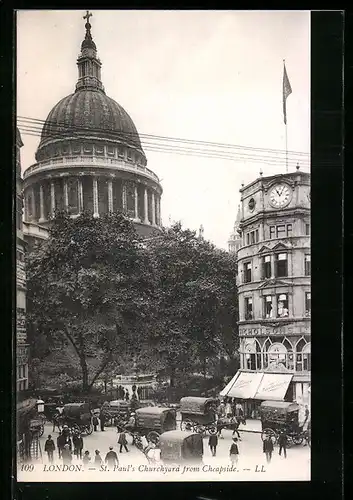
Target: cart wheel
<point>298,439</point>
<point>186,425</point>
<point>212,430</point>
<point>153,437</point>
<point>271,433</point>
<point>200,429</point>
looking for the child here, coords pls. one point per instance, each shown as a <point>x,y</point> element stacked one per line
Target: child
<point>234,452</point>
<point>86,458</point>
<point>97,459</point>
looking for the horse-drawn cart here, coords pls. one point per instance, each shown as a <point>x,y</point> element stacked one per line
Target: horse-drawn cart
<point>78,417</point>
<point>280,416</point>
<point>198,414</point>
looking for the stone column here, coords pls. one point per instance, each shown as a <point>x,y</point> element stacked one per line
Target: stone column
<point>273,263</point>
<point>110,195</point>
<point>153,209</point>
<point>41,203</point>
<point>146,221</point>
<point>158,221</point>
<point>136,203</point>
<point>66,195</point>
<point>95,197</point>
<point>124,198</point>
<point>80,195</point>
<point>52,197</point>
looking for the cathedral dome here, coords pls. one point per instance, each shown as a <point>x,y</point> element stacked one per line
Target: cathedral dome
<point>89,113</point>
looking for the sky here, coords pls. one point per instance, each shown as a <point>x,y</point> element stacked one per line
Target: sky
<point>200,75</point>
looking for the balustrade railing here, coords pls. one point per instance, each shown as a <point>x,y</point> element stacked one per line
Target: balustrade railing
<point>90,160</point>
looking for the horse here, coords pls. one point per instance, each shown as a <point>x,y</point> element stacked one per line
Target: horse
<point>230,423</point>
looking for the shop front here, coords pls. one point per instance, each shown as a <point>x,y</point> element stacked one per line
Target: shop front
<point>26,410</point>
<point>251,388</point>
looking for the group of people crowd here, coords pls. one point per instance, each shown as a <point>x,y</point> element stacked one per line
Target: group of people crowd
<point>69,444</point>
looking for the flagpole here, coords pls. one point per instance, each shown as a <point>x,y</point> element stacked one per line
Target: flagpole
<point>286,137</point>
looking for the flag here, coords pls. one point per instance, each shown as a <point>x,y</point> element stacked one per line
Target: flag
<point>287,90</point>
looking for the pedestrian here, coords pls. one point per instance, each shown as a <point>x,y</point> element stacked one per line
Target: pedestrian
<point>122,441</point>
<point>127,395</point>
<point>60,442</point>
<point>95,422</point>
<point>102,420</point>
<point>268,448</point>
<point>234,452</point>
<point>212,443</point>
<point>49,447</point>
<point>78,445</point>
<point>139,391</point>
<point>282,442</point>
<point>97,459</point>
<point>236,427</point>
<point>86,458</point>
<point>66,455</point>
<point>111,458</point>
<point>228,409</point>
<point>220,427</point>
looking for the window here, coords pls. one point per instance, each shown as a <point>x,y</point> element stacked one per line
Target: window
<point>282,305</point>
<point>307,229</point>
<point>281,265</point>
<point>307,265</point>
<point>248,308</point>
<point>266,267</point>
<point>281,231</point>
<point>247,272</point>
<point>30,205</point>
<point>120,152</point>
<point>248,239</point>
<point>110,151</point>
<point>257,235</point>
<point>289,230</point>
<point>129,154</point>
<point>252,236</point>
<point>272,232</point>
<point>268,306</point>
<point>307,303</point>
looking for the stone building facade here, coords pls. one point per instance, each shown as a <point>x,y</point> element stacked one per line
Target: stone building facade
<point>21,337</point>
<point>274,290</point>
<point>90,157</point>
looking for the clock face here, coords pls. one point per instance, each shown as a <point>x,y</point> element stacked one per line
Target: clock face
<point>280,195</point>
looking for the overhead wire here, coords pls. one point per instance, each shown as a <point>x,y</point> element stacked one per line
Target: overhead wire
<point>33,127</point>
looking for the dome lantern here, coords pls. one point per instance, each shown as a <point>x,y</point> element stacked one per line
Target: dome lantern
<point>89,66</point>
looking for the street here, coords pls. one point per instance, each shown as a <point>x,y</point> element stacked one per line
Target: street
<point>133,466</point>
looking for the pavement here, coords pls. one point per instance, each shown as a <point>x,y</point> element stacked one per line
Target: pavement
<point>133,466</point>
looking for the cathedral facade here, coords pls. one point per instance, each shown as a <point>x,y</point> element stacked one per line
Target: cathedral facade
<point>90,158</point>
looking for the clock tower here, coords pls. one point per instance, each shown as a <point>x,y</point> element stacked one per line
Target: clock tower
<point>274,291</point>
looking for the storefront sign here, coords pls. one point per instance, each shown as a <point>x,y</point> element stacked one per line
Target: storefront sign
<point>274,329</point>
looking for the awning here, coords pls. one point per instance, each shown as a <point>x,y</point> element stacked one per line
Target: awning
<point>273,386</point>
<point>243,385</point>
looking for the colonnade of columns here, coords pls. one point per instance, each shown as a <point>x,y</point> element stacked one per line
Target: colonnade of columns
<point>30,200</point>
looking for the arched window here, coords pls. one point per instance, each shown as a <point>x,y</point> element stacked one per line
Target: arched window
<point>290,355</point>
<point>299,356</point>
<point>258,356</point>
<point>265,349</point>
<point>277,353</point>
<point>250,354</point>
<point>307,357</point>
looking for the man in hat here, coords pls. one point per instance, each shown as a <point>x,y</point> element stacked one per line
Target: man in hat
<point>234,451</point>
<point>268,448</point>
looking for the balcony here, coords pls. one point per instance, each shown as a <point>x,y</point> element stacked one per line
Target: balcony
<point>89,162</point>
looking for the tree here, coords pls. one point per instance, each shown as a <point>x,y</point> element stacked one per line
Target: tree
<point>91,286</point>
<point>197,301</point>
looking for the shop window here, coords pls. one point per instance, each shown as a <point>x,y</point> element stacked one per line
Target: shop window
<point>266,267</point>
<point>268,311</point>
<point>248,308</point>
<point>272,232</point>
<point>307,303</point>
<point>277,353</point>
<point>247,272</point>
<point>307,229</point>
<point>282,305</point>
<point>307,265</point>
<point>281,231</point>
<point>281,265</point>
<point>289,230</point>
